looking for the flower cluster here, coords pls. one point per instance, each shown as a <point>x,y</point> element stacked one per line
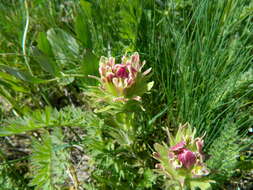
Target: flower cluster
<point>125,80</point>
<point>181,157</point>
<point>184,159</point>
<point>120,84</point>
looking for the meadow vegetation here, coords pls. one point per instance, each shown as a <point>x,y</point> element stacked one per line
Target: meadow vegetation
<point>56,134</point>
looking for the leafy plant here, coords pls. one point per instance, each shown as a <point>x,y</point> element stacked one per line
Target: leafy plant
<point>49,162</point>
<point>182,163</point>
<point>48,118</point>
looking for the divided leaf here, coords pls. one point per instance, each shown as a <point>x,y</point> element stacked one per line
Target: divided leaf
<point>50,118</point>
<point>49,162</point>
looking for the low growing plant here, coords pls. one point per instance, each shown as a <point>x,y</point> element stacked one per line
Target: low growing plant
<point>120,90</point>
<point>182,163</point>
<point>116,150</point>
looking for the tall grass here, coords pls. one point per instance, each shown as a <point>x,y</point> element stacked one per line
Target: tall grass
<point>201,59</point>
<point>201,53</point>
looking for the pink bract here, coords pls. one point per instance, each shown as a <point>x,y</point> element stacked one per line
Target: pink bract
<point>187,158</point>
<point>199,144</point>
<point>122,72</point>
<point>179,146</point>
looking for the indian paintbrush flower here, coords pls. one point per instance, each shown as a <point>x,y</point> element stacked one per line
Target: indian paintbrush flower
<point>125,80</point>
<point>183,161</point>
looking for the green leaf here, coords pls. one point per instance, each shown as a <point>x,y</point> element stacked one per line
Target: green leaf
<point>11,175</point>
<point>25,76</point>
<point>130,15</point>
<point>12,86</point>
<point>45,62</point>
<point>10,82</point>
<point>44,45</point>
<point>7,77</point>
<point>227,149</point>
<point>172,185</point>
<point>157,116</point>
<point>49,161</point>
<point>48,118</point>
<point>90,65</point>
<point>104,109</point>
<point>120,135</point>
<point>65,81</point>
<point>86,6</point>
<point>64,45</point>
<point>82,30</point>
<point>162,150</point>
<point>148,180</point>
<point>203,185</point>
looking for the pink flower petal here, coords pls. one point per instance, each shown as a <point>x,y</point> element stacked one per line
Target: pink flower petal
<point>109,76</point>
<point>111,61</point>
<point>199,144</point>
<point>122,72</point>
<point>178,146</point>
<point>137,98</point>
<point>171,155</point>
<point>147,72</point>
<point>187,158</point>
<point>135,57</point>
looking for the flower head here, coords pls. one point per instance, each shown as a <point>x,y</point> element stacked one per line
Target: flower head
<point>124,80</point>
<point>184,158</point>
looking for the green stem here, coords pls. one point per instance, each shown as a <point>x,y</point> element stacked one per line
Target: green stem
<point>24,38</point>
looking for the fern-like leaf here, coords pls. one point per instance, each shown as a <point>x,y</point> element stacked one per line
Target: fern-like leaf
<point>49,162</point>
<point>224,152</point>
<point>49,117</point>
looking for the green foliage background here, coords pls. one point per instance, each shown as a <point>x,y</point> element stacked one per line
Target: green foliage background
<point>200,52</point>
